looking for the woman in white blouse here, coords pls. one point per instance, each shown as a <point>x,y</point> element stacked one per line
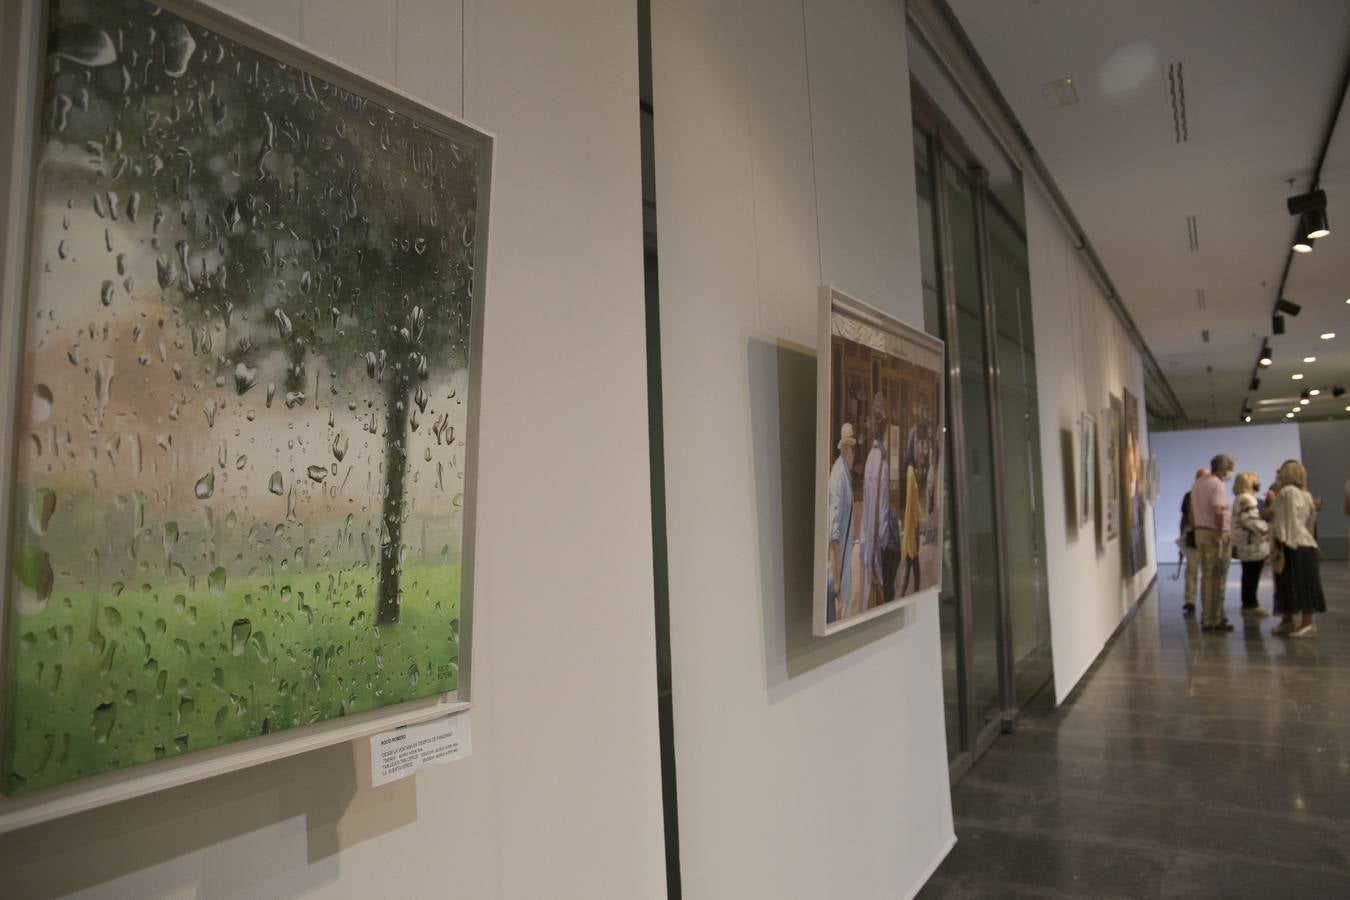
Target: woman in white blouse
<point>1299,585</point>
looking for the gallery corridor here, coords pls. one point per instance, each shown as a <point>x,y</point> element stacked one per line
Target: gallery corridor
<point>1183,766</point>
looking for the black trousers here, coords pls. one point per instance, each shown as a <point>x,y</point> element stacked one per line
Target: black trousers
<point>1251,580</point>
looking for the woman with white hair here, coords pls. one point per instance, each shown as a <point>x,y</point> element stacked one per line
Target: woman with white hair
<point>1298,582</point>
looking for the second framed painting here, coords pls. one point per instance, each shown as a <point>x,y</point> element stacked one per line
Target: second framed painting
<point>879,415</point>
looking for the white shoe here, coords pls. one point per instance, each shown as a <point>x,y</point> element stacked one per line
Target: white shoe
<point>1307,631</point>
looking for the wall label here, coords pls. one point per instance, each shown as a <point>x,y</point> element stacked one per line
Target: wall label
<point>406,751</point>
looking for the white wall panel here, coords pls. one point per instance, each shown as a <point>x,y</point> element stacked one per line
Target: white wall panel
<point>806,767</point>
<point>1082,356</point>
<point>561,797</point>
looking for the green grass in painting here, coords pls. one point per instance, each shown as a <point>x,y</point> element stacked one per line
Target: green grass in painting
<point>100,681</point>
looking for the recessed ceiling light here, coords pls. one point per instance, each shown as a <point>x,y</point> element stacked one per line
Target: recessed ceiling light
<point>1060,93</point>
<point>1310,359</point>
<point>1297,376</point>
<point>1288,415</point>
<point>1304,402</point>
<point>1246,418</point>
<point>1314,392</point>
<point>1303,246</point>
<point>1328,335</point>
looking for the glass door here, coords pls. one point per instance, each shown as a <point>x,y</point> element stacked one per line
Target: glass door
<point>993,616</point>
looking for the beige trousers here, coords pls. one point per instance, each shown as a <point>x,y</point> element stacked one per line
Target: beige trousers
<point>1215,553</point>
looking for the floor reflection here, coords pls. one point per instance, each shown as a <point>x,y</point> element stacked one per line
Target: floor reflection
<point>1186,765</point>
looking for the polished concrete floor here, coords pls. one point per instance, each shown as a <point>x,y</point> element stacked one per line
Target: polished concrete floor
<point>1184,765</point>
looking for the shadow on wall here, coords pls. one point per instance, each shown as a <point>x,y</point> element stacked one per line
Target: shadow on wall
<point>782,384</point>
<point>1066,456</point>
<point>328,787</point>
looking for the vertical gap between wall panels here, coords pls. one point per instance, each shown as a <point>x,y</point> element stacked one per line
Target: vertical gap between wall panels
<point>656,440</point>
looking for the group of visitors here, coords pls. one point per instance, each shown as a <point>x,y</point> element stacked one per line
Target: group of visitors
<point>1278,528</point>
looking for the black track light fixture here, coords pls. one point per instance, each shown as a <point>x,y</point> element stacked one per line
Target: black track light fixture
<point>1314,224</point>
<point>1302,203</point>
<point>1265,358</point>
<point>1338,391</point>
<point>1303,244</point>
<point>1305,395</point>
<point>1256,383</point>
<point>1288,307</point>
<point>1277,323</point>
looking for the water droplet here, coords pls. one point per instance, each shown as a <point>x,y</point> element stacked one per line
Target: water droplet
<point>105,717</point>
<point>232,216</point>
<point>294,399</point>
<point>41,508</point>
<point>165,270</point>
<point>244,378</point>
<point>340,446</point>
<point>259,644</point>
<point>285,593</point>
<point>105,293</point>
<point>240,632</point>
<point>33,569</point>
<point>215,581</point>
<point>205,486</point>
<point>239,465</point>
<point>134,206</point>
<point>180,743</point>
<point>284,326</point>
<point>178,49</point>
<point>413,675</point>
<point>275,485</point>
<point>306,282</point>
<point>85,44</point>
<point>112,616</point>
<point>185,709</point>
<point>420,398</point>
<point>317,473</point>
<point>209,408</point>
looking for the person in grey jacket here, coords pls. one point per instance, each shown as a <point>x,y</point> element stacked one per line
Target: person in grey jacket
<point>1251,540</point>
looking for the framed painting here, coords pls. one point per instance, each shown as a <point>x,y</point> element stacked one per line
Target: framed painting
<point>241,464</point>
<point>1087,457</point>
<point>879,399</point>
<point>1111,488</point>
<point>1134,548</point>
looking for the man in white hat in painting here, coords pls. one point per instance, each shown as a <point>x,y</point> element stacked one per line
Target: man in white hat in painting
<point>843,545</point>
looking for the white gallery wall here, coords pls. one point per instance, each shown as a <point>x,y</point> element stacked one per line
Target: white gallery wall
<point>806,767</point>
<point>561,796</point>
<point>1326,453</point>
<point>1255,448</point>
<point>1083,355</point>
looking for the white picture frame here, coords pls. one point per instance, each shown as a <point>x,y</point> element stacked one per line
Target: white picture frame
<point>24,49</point>
<point>867,361</point>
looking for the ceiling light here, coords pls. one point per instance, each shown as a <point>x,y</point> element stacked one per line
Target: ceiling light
<point>1314,392</point>
<point>1303,245</point>
<point>1314,223</point>
<point>1328,335</point>
<point>1288,415</point>
<point>1288,306</point>
<point>1297,376</point>
<point>1304,402</point>
<point>1302,203</point>
<point>1310,359</point>
<point>1277,323</point>
<point>1247,418</point>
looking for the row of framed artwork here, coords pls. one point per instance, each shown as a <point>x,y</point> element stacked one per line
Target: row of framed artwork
<point>1113,481</point>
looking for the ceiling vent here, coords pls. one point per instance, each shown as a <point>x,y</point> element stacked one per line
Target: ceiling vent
<point>1060,93</point>
<point>1192,234</point>
<point>1176,88</point>
<point>1200,300</point>
<point>1204,336</point>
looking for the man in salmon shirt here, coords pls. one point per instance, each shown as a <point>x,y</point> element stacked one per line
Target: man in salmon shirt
<point>1211,516</point>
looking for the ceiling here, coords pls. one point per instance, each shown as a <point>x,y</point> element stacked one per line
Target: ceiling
<point>1257,84</point>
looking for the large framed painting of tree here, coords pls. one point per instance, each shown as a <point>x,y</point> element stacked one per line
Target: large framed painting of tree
<point>240,477</point>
